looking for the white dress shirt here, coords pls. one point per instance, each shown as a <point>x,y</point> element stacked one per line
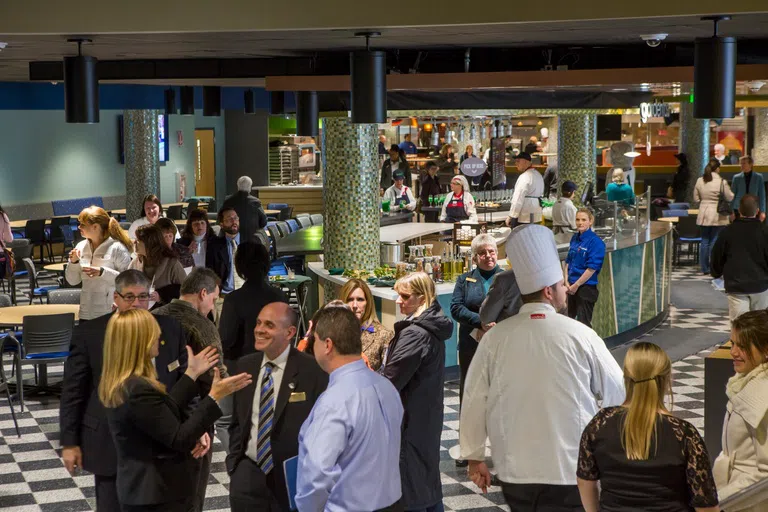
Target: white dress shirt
<point>532,387</point>
<point>563,215</point>
<point>277,378</point>
<point>528,187</point>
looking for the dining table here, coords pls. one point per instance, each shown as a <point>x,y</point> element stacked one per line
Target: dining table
<point>302,242</point>
<point>21,224</point>
<point>13,316</point>
<point>272,212</point>
<point>56,267</point>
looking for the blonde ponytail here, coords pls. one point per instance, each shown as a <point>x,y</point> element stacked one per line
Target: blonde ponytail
<point>647,378</point>
<point>119,234</point>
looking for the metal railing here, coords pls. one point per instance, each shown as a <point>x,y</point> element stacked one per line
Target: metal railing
<point>753,495</point>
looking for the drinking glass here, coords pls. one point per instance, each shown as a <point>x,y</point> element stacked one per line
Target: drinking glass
<point>385,206</point>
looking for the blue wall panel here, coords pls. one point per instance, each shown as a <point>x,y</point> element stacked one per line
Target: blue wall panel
<point>626,285</point>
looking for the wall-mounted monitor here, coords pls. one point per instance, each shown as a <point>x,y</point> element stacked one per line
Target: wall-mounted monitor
<point>162,135</point>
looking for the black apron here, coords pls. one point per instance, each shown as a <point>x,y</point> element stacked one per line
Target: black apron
<point>455,211</point>
<point>402,201</point>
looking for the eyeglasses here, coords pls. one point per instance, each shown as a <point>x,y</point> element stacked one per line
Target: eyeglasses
<point>131,298</point>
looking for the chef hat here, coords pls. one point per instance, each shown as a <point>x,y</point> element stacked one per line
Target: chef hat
<point>544,133</point>
<point>533,254</point>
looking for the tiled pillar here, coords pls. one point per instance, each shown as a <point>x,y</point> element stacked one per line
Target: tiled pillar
<point>576,151</point>
<point>550,123</point>
<point>350,194</point>
<point>140,144</point>
<point>694,142</point>
<point>760,149</point>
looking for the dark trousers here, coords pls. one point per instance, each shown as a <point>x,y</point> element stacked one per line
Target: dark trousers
<point>106,493</point>
<point>542,497</point>
<point>467,349</point>
<point>395,507</point>
<point>184,505</point>
<point>582,304</point>
<point>250,489</point>
<point>204,469</point>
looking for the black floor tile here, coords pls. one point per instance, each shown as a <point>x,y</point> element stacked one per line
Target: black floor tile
<point>52,485</point>
<point>66,506</point>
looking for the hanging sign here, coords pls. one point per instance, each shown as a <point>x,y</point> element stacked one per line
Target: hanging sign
<point>649,110</point>
<point>473,166</point>
<point>498,161</point>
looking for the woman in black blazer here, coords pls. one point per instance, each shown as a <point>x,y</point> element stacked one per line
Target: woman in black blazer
<point>154,435</point>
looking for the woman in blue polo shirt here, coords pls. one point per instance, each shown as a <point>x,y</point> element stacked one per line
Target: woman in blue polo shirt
<point>583,264</point>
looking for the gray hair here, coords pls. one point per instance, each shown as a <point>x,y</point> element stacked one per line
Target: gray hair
<point>481,241</point>
<point>244,184</point>
<point>131,277</point>
<point>200,279</point>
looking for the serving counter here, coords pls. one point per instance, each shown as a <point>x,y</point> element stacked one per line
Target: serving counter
<point>303,198</point>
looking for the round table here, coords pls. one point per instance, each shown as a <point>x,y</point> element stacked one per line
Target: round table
<point>14,315</point>
<point>272,212</point>
<point>56,267</point>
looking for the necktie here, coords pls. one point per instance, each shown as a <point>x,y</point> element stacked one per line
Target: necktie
<point>237,281</point>
<point>266,416</point>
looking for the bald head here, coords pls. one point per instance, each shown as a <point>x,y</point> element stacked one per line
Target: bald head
<point>275,329</point>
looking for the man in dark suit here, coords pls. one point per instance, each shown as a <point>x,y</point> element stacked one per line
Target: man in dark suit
<point>85,435</point>
<point>220,255</point>
<point>269,413</point>
<point>249,209</point>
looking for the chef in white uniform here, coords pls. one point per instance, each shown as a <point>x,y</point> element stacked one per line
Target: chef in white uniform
<point>528,188</point>
<point>534,385</point>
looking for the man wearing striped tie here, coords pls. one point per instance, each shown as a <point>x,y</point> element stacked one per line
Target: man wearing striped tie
<point>269,413</point>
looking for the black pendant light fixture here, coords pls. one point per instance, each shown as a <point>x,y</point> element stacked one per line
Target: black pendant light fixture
<point>368,70</point>
<point>187,100</point>
<point>170,102</point>
<point>212,101</point>
<point>306,114</point>
<point>81,86</point>
<point>714,75</point>
<point>249,101</point>
<point>277,103</point>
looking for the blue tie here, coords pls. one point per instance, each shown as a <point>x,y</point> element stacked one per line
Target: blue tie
<point>266,417</point>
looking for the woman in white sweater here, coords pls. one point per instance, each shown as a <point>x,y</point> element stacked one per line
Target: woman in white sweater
<point>744,459</point>
<point>97,260</point>
<point>707,192</point>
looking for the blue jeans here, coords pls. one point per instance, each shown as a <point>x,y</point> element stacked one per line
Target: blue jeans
<point>709,236</point>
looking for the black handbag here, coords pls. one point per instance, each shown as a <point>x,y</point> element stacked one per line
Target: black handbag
<point>723,205</point>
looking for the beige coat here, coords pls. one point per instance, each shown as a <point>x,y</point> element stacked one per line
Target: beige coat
<point>707,194</point>
<point>744,459</point>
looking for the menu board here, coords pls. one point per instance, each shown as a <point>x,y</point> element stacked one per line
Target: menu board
<point>498,161</point>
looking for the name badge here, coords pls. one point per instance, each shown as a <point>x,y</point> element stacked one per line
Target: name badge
<point>297,397</point>
<point>173,366</point>
<point>471,279</point>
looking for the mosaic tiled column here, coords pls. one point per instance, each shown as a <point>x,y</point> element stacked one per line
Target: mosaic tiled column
<point>350,194</point>
<point>142,173</point>
<point>694,142</point>
<point>576,151</point>
<point>760,148</point>
<point>550,123</point>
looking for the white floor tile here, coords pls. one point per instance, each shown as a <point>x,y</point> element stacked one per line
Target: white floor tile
<point>59,496</point>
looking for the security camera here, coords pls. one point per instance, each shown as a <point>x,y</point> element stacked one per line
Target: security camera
<point>755,85</point>
<point>654,40</point>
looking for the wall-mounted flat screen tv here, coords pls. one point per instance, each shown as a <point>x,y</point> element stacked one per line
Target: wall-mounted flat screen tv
<point>162,135</point>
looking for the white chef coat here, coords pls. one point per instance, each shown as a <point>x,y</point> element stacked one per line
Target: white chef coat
<point>393,194</point>
<point>532,388</point>
<point>530,183</point>
<point>563,215</point>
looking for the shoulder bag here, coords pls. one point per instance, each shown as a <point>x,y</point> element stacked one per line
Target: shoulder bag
<point>723,205</point>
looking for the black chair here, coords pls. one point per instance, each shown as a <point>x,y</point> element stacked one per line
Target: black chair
<point>55,235</point>
<point>64,296</point>
<point>68,237</point>
<point>304,220</point>
<point>46,341</point>
<point>35,290</point>
<point>35,233</point>
<point>317,219</point>
<point>689,234</point>
<point>4,387</point>
<point>283,228</point>
<point>174,212</point>
<point>213,206</point>
<point>192,205</point>
<point>21,249</point>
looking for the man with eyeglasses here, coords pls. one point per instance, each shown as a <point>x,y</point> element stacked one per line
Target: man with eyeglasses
<point>85,437</point>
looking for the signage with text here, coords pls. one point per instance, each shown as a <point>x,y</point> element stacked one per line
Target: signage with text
<point>649,110</point>
<point>473,166</point>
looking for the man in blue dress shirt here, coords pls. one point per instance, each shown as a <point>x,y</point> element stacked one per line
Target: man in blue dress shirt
<point>349,446</point>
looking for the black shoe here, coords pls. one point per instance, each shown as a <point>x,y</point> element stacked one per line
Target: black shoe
<point>495,482</point>
<point>460,463</point>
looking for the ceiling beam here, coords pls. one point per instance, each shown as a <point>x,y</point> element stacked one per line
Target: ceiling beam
<point>511,79</point>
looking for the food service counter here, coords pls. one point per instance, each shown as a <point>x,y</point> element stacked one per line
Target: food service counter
<point>303,198</point>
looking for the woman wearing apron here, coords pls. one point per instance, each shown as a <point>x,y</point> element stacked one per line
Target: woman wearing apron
<point>459,205</point>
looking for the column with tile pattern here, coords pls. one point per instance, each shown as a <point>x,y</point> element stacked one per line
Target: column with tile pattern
<point>694,142</point>
<point>576,151</point>
<point>140,146</point>
<point>760,150</point>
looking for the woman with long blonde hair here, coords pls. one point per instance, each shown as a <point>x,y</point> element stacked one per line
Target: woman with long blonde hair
<point>153,435</point>
<point>644,458</point>
<point>104,252</point>
<point>375,337</point>
<point>415,364</point>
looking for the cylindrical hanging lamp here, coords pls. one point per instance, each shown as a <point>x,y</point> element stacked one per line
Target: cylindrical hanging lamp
<point>277,103</point>
<point>212,101</point>
<point>368,70</point>
<point>306,113</point>
<point>187,94</point>
<point>81,87</point>
<point>714,75</point>
<point>170,101</point>
<point>249,102</point>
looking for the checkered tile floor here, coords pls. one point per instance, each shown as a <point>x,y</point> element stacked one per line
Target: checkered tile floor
<point>32,477</point>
